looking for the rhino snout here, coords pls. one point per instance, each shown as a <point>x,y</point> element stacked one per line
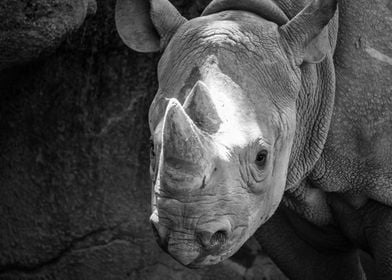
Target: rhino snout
<point>191,247</point>
<point>212,241</point>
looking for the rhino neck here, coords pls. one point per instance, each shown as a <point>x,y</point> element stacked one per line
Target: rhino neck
<point>314,104</point>
<point>314,112</point>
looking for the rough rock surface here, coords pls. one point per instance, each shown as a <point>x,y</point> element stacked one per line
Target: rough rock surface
<point>74,149</point>
<point>30,28</point>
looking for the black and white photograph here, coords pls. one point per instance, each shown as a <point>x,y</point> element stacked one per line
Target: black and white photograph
<point>195,139</point>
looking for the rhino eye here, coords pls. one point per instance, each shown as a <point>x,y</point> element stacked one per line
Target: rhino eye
<point>261,158</point>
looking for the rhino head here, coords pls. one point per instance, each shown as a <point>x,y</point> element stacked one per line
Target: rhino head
<point>224,118</point>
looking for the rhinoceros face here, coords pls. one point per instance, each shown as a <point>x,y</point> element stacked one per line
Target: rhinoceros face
<point>222,124</point>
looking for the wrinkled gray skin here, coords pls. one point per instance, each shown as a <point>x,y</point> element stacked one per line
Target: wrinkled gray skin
<point>240,124</point>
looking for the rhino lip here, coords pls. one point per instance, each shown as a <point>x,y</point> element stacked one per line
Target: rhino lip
<point>198,263</point>
<point>218,254</point>
<point>203,253</point>
<point>194,265</point>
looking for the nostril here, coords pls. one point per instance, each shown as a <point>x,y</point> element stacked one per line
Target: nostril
<point>218,238</point>
<point>212,241</point>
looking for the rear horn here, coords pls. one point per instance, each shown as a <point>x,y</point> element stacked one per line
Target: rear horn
<point>201,109</point>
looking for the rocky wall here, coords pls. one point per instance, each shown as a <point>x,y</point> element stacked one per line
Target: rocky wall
<point>74,150</point>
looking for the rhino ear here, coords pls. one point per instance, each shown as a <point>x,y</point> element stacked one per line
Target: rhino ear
<point>147,25</point>
<point>307,33</point>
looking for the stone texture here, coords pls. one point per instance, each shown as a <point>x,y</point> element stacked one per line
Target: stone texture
<point>31,28</point>
<point>74,149</point>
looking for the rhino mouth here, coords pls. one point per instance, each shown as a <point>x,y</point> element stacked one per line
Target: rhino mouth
<point>191,249</point>
<point>207,258</point>
<point>191,254</point>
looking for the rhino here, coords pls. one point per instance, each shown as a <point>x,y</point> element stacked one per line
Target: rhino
<point>252,134</point>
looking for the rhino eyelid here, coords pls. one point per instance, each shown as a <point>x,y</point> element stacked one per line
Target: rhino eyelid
<point>264,143</point>
<point>257,173</point>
